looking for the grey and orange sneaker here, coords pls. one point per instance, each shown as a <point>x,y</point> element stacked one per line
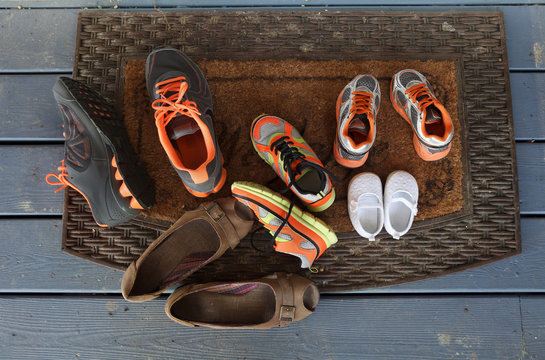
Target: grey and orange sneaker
<point>357,108</point>
<point>183,116</point>
<point>281,146</point>
<point>413,99</point>
<point>99,161</point>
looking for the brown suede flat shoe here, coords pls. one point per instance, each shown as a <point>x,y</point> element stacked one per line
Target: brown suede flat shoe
<point>196,239</point>
<point>275,300</point>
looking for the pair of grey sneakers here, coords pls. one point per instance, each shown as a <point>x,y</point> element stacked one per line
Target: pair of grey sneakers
<point>411,96</point>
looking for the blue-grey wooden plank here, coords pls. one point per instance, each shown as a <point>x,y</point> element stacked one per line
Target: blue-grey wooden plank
<point>37,40</point>
<point>31,261</point>
<point>528,96</point>
<point>525,34</point>
<point>105,4</point>
<point>23,190</point>
<point>28,111</point>
<point>44,39</point>
<point>362,327</point>
<point>533,326</point>
<point>531,177</point>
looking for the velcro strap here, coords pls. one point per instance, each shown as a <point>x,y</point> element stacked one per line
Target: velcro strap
<point>217,214</point>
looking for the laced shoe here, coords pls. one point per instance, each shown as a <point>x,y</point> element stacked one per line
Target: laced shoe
<point>99,161</point>
<point>357,108</point>
<point>281,146</point>
<point>294,231</point>
<point>183,116</point>
<point>413,99</point>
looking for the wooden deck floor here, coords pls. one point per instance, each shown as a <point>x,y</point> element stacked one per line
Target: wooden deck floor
<point>55,306</point>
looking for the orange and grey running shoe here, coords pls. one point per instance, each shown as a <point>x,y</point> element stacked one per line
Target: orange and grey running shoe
<point>183,116</point>
<point>285,150</point>
<point>413,99</point>
<point>357,108</point>
<point>294,231</point>
<point>99,161</point>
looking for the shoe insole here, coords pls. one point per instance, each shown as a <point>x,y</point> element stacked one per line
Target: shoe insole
<point>310,181</point>
<point>194,241</point>
<point>358,131</point>
<point>434,122</point>
<point>369,217</point>
<point>400,214</point>
<point>192,149</point>
<point>254,307</point>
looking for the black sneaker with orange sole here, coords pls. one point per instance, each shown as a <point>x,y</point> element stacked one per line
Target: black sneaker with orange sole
<point>99,161</point>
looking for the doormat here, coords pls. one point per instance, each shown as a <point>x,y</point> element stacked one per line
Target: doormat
<point>485,229</point>
<point>304,93</point>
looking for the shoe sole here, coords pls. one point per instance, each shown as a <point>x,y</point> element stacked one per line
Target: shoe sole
<point>112,131</point>
<point>420,149</point>
<point>309,221</point>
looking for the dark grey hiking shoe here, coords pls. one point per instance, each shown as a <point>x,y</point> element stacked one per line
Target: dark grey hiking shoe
<point>99,161</point>
<point>183,116</point>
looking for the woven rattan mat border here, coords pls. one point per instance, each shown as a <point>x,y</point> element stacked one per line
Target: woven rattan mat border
<point>487,230</point>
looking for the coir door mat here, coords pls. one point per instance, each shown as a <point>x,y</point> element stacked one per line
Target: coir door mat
<point>304,93</point>
<point>486,228</point>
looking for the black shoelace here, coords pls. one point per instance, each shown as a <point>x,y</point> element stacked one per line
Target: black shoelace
<point>273,239</point>
<point>289,154</point>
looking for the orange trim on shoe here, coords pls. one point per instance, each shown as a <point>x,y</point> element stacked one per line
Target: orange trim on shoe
<point>123,189</point>
<point>215,190</point>
<point>346,162</point>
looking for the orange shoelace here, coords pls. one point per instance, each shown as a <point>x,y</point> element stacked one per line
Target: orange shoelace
<point>362,103</point>
<point>167,108</point>
<point>61,178</point>
<point>420,90</point>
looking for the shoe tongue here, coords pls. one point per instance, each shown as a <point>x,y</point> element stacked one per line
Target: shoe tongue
<point>433,115</point>
<point>180,126</point>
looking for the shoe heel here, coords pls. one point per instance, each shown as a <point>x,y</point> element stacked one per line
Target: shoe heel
<point>426,155</point>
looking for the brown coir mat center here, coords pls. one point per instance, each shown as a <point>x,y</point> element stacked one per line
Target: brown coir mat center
<point>303,93</point>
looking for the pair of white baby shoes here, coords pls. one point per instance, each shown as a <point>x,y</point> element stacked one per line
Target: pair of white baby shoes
<point>366,209</point>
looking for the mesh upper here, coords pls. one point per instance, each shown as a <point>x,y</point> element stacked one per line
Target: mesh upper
<point>346,95</point>
<point>407,77</point>
<point>266,130</point>
<point>401,97</point>
<point>366,81</point>
<point>346,155</point>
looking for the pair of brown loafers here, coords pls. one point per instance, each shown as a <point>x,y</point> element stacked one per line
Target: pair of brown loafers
<point>198,238</point>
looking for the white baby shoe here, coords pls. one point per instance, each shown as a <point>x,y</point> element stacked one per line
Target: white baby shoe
<point>365,204</point>
<point>400,203</point>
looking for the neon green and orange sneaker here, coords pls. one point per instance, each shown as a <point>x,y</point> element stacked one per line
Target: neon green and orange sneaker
<point>294,231</point>
<point>284,149</point>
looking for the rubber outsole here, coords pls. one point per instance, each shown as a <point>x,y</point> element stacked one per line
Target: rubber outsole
<point>114,134</point>
<point>418,147</point>
<point>308,220</point>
